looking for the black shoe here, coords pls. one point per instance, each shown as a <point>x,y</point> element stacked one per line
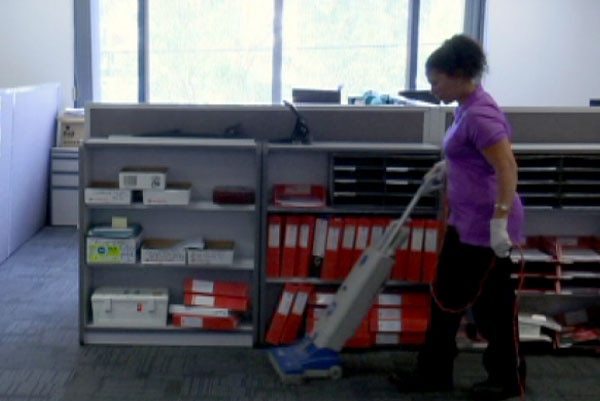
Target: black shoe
<point>413,383</point>
<point>490,391</point>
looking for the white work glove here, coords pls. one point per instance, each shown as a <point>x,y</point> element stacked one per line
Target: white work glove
<point>436,176</point>
<point>499,239</point>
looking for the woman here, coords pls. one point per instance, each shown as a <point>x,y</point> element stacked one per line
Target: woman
<point>485,219</point>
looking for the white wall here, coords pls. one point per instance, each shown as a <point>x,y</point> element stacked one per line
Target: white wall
<point>542,52</point>
<point>36,44</point>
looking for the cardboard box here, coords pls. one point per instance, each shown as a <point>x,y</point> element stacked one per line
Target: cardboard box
<point>106,194</point>
<point>112,250</point>
<point>143,177</point>
<point>70,131</point>
<point>130,307</point>
<point>215,252</point>
<point>174,194</point>
<point>299,195</point>
<point>162,252</point>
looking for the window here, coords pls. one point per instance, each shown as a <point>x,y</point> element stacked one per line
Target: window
<point>240,51</point>
<point>118,50</point>
<point>357,44</point>
<point>435,26</point>
<point>210,51</point>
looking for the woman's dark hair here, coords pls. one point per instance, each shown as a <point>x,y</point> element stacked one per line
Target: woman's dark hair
<point>460,55</point>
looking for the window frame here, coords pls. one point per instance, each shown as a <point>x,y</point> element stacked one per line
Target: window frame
<point>87,74</point>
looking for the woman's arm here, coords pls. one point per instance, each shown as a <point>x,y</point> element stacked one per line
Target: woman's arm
<point>501,157</point>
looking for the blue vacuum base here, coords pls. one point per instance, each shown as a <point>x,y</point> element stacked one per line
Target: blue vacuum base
<point>304,360</point>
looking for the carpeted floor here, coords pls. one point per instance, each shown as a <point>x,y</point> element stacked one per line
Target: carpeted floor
<point>41,359</point>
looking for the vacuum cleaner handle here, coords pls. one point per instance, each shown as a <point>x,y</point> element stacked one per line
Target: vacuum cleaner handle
<point>395,234</point>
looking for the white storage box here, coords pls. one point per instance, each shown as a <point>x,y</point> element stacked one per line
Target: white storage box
<point>107,195</point>
<point>70,130</point>
<point>130,307</point>
<point>163,252</point>
<point>112,250</point>
<point>215,252</point>
<point>143,177</point>
<point>174,194</point>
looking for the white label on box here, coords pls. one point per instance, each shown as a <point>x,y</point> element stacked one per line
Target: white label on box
<point>389,325</point>
<point>333,238</point>
<point>166,197</point>
<point>320,238</point>
<point>389,299</point>
<point>142,179</point>
<point>389,313</point>
<point>112,250</point>
<point>210,256</point>
<point>192,321</point>
<point>304,236</point>
<point>362,237</point>
<point>203,286</point>
<point>174,256</point>
<point>286,303</point>
<point>291,235</point>
<point>300,303</point>
<point>107,196</point>
<point>203,300</point>
<point>198,311</point>
<point>376,233</point>
<point>348,237</point>
<point>416,239</point>
<point>274,235</point>
<point>430,244</point>
<point>387,338</point>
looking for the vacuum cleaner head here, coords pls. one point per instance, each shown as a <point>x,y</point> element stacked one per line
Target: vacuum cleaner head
<point>304,360</point>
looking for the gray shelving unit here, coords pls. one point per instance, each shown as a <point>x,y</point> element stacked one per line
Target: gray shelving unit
<point>316,164</point>
<point>563,136</point>
<point>205,163</point>
<point>559,184</point>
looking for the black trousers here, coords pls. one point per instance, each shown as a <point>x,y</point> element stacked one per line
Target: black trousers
<point>472,274</point>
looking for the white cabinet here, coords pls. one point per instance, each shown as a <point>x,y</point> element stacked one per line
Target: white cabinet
<point>205,164</point>
<point>64,183</point>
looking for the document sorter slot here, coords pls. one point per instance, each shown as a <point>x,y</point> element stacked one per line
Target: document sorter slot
<point>592,175</point>
<point>538,162</point>
<point>344,185</point>
<point>573,189</point>
<point>539,200</point>
<point>581,162</point>
<point>373,180</point>
<point>358,199</point>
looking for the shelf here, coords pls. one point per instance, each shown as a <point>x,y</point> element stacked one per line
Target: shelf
<point>130,140</point>
<point>318,281</point>
<point>169,335</point>
<point>203,163</point>
<point>594,292</point>
<point>200,206</point>
<point>242,264</point>
<point>353,210</point>
<point>355,147</point>
<point>543,149</point>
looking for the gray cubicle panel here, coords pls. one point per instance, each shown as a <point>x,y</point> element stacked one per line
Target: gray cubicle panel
<point>555,124</point>
<point>27,135</point>
<point>326,123</point>
<point>6,111</point>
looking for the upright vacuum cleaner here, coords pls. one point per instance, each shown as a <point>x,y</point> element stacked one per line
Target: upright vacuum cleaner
<point>317,356</point>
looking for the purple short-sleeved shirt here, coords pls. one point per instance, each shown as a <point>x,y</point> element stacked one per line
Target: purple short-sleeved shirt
<point>471,189</point>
